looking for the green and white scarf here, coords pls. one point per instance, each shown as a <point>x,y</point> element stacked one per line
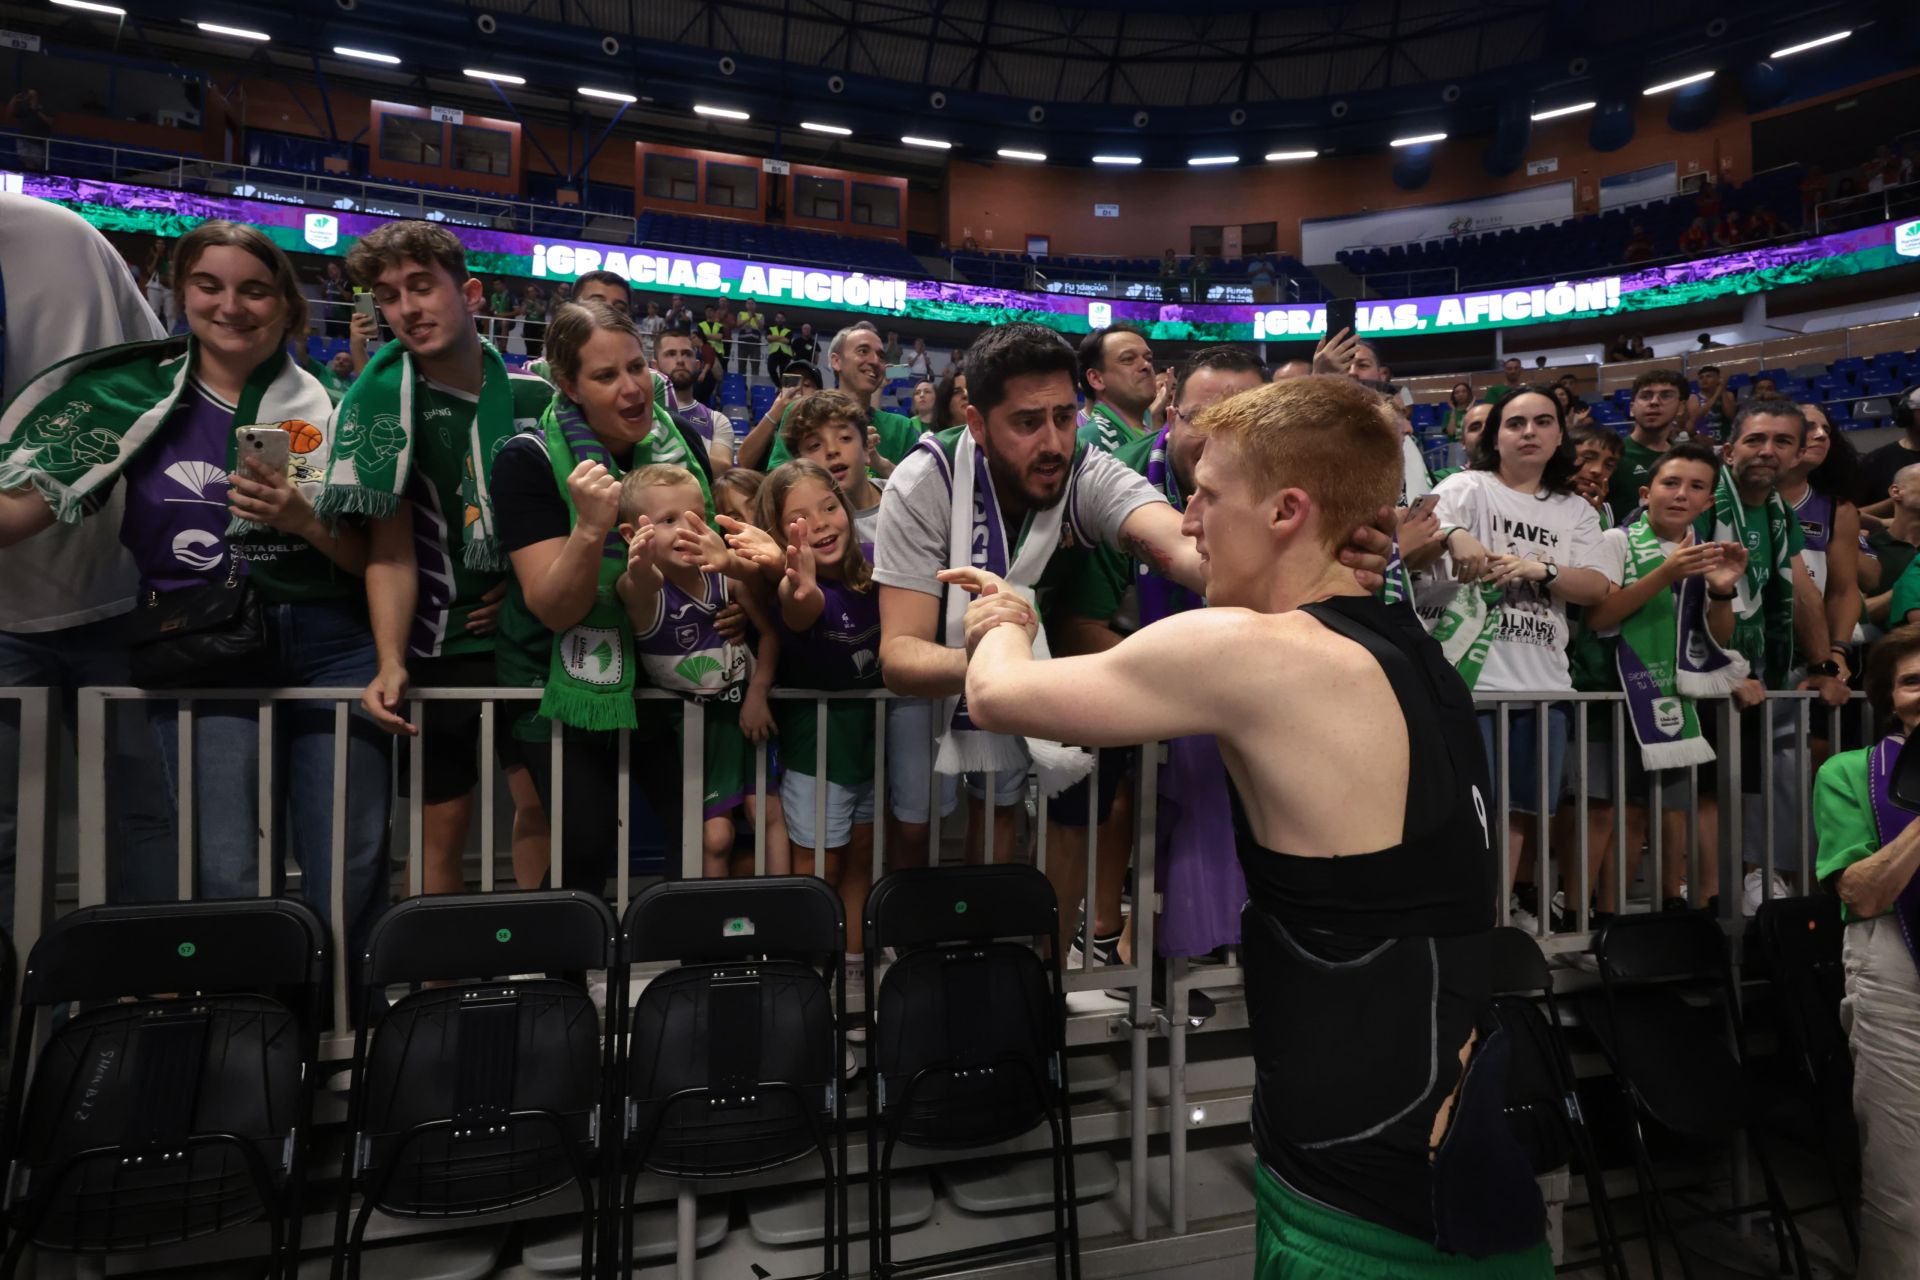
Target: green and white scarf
<point>1667,659</point>
<point>374,450</point>
<point>74,428</point>
<point>1466,628</point>
<point>1763,600</point>
<point>590,672</point>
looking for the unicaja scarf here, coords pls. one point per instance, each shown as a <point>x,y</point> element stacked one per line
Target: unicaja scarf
<point>1668,659</point>
<point>977,539</point>
<point>373,459</point>
<point>1763,602</point>
<point>590,673</point>
<point>1889,820</point>
<point>73,429</point>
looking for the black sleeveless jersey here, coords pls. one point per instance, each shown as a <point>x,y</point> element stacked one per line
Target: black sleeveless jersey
<point>1366,975</point>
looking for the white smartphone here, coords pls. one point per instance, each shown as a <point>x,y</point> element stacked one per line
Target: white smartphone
<point>365,305</point>
<point>272,445</point>
<point>1422,505</point>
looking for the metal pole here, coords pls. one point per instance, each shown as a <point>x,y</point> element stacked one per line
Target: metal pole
<point>693,719</point>
<point>264,776</point>
<point>184,866</point>
<point>416,801</point>
<point>92,740</point>
<point>337,856</point>
<point>487,853</point>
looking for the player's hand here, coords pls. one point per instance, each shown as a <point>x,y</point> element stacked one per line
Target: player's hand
<point>382,698</point>
<point>596,499</point>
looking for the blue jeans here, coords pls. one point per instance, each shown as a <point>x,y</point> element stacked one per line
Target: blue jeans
<point>139,823</point>
<point>307,644</point>
<point>1523,754</point>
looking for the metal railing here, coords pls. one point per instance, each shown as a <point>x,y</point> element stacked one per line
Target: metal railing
<point>1844,213</point>
<point>28,784</point>
<point>1775,840</point>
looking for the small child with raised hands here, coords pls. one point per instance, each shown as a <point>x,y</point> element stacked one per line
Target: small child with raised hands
<point>672,602</point>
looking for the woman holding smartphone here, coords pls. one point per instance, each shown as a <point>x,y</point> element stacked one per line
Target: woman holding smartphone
<point>1523,546</point>
<point>149,435</point>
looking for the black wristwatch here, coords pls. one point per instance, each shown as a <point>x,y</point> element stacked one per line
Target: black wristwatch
<point>1716,595</point>
<point>1553,572</point>
<point>1827,668</point>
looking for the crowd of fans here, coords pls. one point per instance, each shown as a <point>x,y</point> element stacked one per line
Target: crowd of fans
<point>590,526</point>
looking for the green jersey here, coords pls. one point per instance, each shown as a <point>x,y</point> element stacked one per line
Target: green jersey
<point>1634,473</point>
<point>1104,429</point>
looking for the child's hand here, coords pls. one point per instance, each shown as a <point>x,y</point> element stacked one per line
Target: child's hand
<point>799,560</point>
<point>1727,572</point>
<point>756,715</point>
<point>881,464</point>
<point>754,545</point>
<point>694,537</point>
<point>641,570</point>
<point>1692,559</point>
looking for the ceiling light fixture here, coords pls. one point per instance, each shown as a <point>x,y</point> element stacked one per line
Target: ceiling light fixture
<point>720,113</point>
<point>836,130</point>
<point>1696,78</point>
<point>606,95</point>
<point>1203,162</point>
<point>1418,139</point>
<point>1008,153</point>
<point>89,7</point>
<point>1291,155</point>
<point>366,55</point>
<point>239,33</point>
<point>500,76</point>
<point>1118,160</point>
<point>1805,45</point>
<point>1556,112</point>
<point>934,143</point>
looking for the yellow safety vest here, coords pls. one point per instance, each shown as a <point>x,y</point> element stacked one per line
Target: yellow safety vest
<point>779,341</point>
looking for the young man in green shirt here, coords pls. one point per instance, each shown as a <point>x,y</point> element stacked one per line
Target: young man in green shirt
<point>1659,399</point>
<point>1870,857</point>
<point>431,606</point>
<point>1888,572</point>
<point>1117,379</point>
<point>858,364</point>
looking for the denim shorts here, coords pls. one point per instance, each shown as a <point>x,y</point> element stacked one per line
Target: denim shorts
<point>847,807</point>
<point>1523,754</point>
<point>910,767</point>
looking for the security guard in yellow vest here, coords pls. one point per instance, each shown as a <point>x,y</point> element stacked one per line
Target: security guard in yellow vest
<point>713,332</point>
<point>779,345</point>
<point>749,326</point>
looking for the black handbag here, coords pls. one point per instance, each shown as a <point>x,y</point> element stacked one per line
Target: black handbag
<point>197,637</point>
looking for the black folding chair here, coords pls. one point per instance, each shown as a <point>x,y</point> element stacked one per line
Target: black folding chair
<point>1799,946</point>
<point>732,1060</point>
<point>149,1119</point>
<point>486,1095</point>
<point>1669,1022</point>
<point>967,1039</point>
<point>1542,1105</point>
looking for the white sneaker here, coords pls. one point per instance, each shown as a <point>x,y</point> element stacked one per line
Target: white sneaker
<point>1752,896</point>
<point>1521,918</point>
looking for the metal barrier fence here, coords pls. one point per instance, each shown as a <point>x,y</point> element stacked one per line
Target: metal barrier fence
<point>1792,729</point>
<point>27,786</point>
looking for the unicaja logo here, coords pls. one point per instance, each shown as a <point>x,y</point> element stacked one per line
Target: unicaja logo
<point>322,230</point>
<point>1906,239</point>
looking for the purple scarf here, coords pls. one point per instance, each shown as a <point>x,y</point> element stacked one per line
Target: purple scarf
<point>1889,820</point>
<point>1163,597</point>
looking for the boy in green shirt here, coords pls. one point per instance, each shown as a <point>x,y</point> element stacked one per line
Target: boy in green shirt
<point>1659,397</point>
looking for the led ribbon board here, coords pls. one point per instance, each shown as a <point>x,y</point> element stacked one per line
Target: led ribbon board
<point>114,206</point>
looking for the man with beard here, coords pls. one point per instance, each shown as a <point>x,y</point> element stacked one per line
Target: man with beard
<point>1117,378</point>
<point>860,368</point>
<point>1379,1061</point>
<point>678,365</point>
<point>1659,397</point>
<point>1714,407</point>
<point>1110,598</point>
<point>1014,489</point>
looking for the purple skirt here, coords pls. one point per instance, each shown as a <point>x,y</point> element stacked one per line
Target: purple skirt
<point>1202,889</point>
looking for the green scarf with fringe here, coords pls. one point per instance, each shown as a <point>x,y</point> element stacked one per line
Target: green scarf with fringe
<point>74,428</point>
<point>373,453</point>
<point>590,673</point>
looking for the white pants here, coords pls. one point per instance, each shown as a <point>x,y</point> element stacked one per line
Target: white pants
<point>1881,1013</point>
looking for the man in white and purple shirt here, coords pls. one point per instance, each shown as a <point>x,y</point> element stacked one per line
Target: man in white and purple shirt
<point>679,365</point>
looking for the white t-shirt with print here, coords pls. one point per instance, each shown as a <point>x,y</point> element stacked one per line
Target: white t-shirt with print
<point>1529,649</point>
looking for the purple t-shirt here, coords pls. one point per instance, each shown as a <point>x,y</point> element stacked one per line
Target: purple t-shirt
<point>842,648</point>
<point>176,517</point>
